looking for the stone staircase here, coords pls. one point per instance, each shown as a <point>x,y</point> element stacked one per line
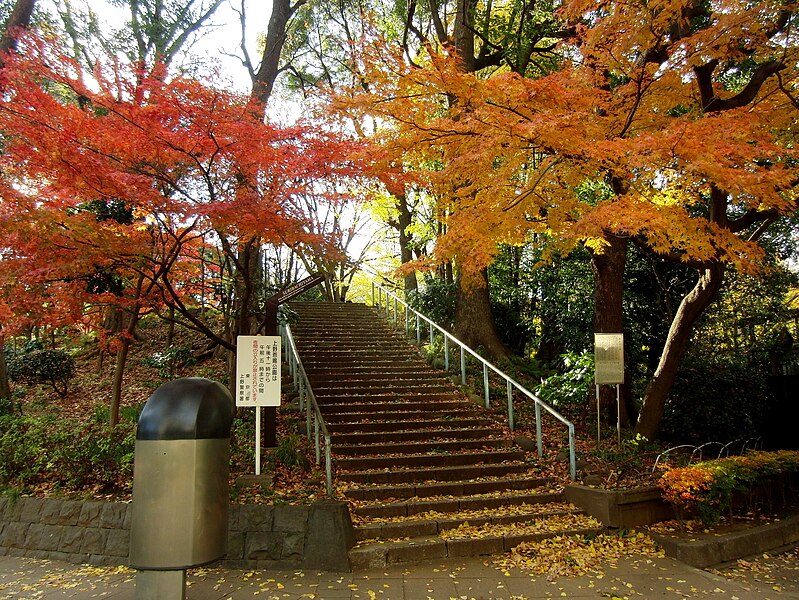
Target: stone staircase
<point>427,473</point>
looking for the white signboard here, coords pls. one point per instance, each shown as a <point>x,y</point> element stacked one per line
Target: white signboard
<point>258,370</point>
<point>609,358</point>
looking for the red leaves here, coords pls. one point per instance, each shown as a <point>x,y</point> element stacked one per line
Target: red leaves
<point>185,157</point>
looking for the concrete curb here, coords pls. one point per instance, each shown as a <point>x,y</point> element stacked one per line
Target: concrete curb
<point>707,550</point>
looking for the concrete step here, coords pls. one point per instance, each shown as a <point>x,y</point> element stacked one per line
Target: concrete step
<point>376,438</point>
<point>433,521</point>
<point>431,426</point>
<point>421,549</point>
<point>429,489</point>
<point>464,458</point>
<point>395,412</point>
<point>399,405</point>
<point>422,474</point>
<point>421,447</point>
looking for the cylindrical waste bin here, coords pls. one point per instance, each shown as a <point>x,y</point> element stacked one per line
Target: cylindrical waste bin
<point>180,476</point>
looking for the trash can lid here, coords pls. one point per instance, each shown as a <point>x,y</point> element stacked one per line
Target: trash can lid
<point>191,408</point>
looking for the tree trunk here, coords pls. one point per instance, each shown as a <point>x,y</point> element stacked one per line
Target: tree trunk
<point>608,268</point>
<point>689,311</point>
<point>20,17</point>
<point>5,386</point>
<point>263,80</point>
<point>119,369</point>
<point>406,243</point>
<point>474,323</point>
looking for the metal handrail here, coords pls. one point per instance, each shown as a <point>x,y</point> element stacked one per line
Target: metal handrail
<point>311,407</point>
<point>509,381</point>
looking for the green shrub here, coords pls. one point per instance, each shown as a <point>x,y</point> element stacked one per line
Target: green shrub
<point>570,388</point>
<point>73,455</point>
<point>170,360</point>
<point>48,367</point>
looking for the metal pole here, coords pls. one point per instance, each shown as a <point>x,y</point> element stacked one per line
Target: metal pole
<point>598,433</point>
<point>316,440</point>
<point>308,420</point>
<point>395,312</point>
<point>618,413</point>
<point>257,440</point>
<point>510,404</point>
<point>328,467</point>
<point>446,352</point>
<point>373,293</point>
<point>572,454</point>
<point>485,385</point>
<point>463,366</point>
<point>418,332</point>
<point>539,434</point>
<point>407,322</point>
<point>431,333</point>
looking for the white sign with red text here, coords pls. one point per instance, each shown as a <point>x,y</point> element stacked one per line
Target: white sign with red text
<point>258,370</point>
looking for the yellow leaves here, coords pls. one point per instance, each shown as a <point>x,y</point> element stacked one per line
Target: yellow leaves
<point>577,555</point>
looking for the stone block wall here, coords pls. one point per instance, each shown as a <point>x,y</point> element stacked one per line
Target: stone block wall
<point>316,536</point>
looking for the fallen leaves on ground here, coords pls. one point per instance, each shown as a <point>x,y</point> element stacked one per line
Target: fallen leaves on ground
<point>546,525</point>
<point>576,555</point>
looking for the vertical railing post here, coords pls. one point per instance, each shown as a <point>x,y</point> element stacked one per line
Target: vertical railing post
<point>485,385</point>
<point>463,366</point>
<point>308,421</point>
<point>302,394</point>
<point>328,466</point>
<point>379,297</point>
<point>431,333</point>
<point>510,404</point>
<point>418,332</point>
<point>316,440</point>
<point>446,352</point>
<point>539,434</point>
<point>395,312</point>
<point>572,454</point>
<point>407,322</point>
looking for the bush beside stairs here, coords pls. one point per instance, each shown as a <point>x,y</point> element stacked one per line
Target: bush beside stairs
<point>427,473</point>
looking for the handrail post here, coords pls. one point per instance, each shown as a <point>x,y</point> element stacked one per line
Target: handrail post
<point>418,331</point>
<point>446,352</point>
<point>431,333</point>
<point>485,385</point>
<point>510,404</point>
<point>328,466</point>
<point>539,434</point>
<point>463,366</point>
<point>373,293</point>
<point>572,454</point>
<point>316,441</point>
<point>395,311</point>
<point>407,322</point>
<point>302,394</point>
<point>308,421</point>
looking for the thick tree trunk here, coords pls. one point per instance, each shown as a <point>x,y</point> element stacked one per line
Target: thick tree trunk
<point>689,311</point>
<point>474,323</point>
<point>406,248</point>
<point>20,17</point>
<point>608,268</point>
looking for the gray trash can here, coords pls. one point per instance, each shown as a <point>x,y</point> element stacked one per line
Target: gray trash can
<point>180,482</point>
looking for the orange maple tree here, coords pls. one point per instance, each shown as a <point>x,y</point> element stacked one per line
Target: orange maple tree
<point>669,125</point>
<point>188,162</point>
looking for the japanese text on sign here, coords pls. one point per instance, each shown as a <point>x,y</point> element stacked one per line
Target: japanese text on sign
<point>258,370</point>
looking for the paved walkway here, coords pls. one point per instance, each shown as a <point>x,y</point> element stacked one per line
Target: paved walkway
<point>633,577</point>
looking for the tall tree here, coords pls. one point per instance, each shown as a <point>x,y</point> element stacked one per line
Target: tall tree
<point>190,160</point>
<point>681,116</point>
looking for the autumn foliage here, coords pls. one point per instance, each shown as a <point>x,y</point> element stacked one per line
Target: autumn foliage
<point>179,160</point>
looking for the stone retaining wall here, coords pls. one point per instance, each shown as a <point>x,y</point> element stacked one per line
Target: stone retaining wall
<point>260,536</point>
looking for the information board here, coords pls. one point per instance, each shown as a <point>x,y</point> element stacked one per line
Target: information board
<point>258,370</point>
<point>609,358</point>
